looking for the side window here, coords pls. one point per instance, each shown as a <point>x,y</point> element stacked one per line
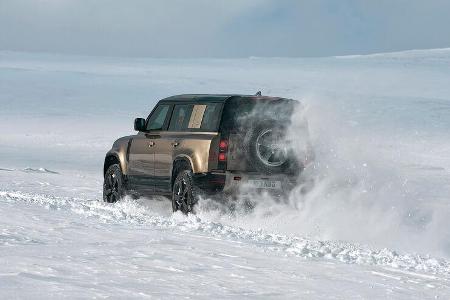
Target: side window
<point>180,117</point>
<point>203,117</point>
<point>195,121</point>
<point>211,117</point>
<point>156,120</point>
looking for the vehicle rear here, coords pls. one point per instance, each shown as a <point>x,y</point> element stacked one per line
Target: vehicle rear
<point>256,148</point>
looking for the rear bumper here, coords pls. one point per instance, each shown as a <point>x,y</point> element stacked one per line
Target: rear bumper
<point>239,182</point>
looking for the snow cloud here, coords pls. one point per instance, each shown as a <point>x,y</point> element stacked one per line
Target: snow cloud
<point>231,28</point>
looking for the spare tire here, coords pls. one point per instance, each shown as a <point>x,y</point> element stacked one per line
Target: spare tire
<point>267,150</point>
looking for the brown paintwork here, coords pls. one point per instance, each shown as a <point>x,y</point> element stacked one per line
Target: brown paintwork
<point>193,146</point>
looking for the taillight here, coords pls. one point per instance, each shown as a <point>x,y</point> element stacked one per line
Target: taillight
<point>223,145</point>
<point>222,157</point>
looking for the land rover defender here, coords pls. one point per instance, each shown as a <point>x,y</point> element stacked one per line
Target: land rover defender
<point>191,145</point>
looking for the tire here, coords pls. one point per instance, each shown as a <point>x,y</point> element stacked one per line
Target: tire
<point>266,150</point>
<point>184,193</point>
<point>113,189</point>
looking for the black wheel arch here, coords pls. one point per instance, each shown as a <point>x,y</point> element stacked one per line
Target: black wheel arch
<point>179,164</point>
<point>111,159</point>
<point>118,154</point>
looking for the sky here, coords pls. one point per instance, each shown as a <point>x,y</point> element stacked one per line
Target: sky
<point>223,28</point>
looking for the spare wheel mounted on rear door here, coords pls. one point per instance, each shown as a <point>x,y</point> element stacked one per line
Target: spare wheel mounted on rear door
<point>267,149</point>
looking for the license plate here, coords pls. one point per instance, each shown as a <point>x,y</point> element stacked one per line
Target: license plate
<point>265,184</point>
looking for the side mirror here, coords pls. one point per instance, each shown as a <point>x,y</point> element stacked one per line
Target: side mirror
<point>139,124</point>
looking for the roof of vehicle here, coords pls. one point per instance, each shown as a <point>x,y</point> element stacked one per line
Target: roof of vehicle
<point>215,97</point>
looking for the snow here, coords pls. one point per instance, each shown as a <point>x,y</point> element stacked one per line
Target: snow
<point>375,224</point>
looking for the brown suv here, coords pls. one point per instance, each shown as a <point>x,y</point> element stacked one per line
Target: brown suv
<point>195,144</point>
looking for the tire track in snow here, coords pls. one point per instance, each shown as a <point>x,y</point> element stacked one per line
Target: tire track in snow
<point>129,211</point>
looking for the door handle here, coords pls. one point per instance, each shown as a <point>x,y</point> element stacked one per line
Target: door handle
<point>152,136</point>
<point>174,144</point>
<point>151,144</point>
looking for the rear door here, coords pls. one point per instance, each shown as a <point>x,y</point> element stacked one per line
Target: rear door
<point>141,166</point>
<point>191,129</point>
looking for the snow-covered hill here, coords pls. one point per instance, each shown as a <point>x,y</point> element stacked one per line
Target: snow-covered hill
<point>374,226</point>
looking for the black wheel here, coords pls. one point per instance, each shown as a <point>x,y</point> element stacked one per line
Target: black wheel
<point>113,189</point>
<point>267,150</point>
<point>184,193</point>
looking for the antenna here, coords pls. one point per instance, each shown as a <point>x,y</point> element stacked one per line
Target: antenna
<point>258,93</point>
